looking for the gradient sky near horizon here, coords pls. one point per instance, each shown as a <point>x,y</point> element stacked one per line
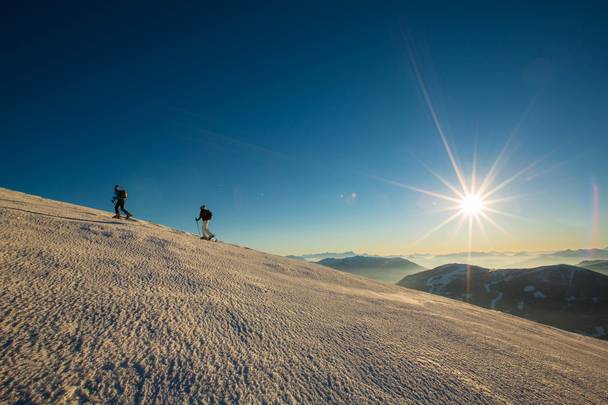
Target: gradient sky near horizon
<point>282,117</point>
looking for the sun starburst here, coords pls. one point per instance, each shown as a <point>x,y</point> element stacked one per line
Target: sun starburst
<point>469,202</point>
<point>469,198</point>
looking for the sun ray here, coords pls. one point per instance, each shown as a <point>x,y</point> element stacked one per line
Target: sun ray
<point>433,194</point>
<point>493,223</point>
<point>509,180</point>
<point>470,244</point>
<point>482,227</point>
<point>417,189</point>
<point>438,227</point>
<point>503,199</point>
<point>493,172</point>
<point>459,224</point>
<point>474,172</point>
<point>502,154</point>
<point>429,103</point>
<point>470,235</point>
<point>446,183</point>
<point>503,213</point>
<point>449,208</point>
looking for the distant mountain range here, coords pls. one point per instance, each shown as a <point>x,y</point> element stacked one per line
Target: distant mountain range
<point>315,257</point>
<point>491,260</point>
<point>384,269</point>
<point>564,257</point>
<point>582,253</point>
<point>601,266</point>
<point>564,296</point>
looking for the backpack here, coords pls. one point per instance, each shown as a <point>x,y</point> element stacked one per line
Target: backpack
<point>122,194</point>
<point>206,215</point>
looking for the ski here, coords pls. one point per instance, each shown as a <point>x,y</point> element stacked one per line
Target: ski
<point>125,218</point>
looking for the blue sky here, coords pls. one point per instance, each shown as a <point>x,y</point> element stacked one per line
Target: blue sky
<point>282,117</point>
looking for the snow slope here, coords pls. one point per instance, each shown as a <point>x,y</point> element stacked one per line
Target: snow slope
<point>96,309</point>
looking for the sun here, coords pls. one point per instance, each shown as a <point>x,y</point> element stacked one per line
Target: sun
<point>472,204</point>
<point>470,200</point>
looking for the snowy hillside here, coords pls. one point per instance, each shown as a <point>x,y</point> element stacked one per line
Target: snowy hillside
<point>107,311</point>
<point>567,297</point>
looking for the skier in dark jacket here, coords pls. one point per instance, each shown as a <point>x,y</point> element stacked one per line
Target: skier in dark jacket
<point>206,216</point>
<point>120,196</point>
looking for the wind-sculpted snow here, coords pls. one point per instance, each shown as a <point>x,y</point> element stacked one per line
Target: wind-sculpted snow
<point>130,312</point>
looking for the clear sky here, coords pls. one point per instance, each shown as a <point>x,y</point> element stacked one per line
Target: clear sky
<point>284,118</point>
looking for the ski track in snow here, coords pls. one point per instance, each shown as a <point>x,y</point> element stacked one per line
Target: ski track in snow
<point>96,309</point>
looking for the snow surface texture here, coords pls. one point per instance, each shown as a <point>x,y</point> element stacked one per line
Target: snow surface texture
<point>96,309</point>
